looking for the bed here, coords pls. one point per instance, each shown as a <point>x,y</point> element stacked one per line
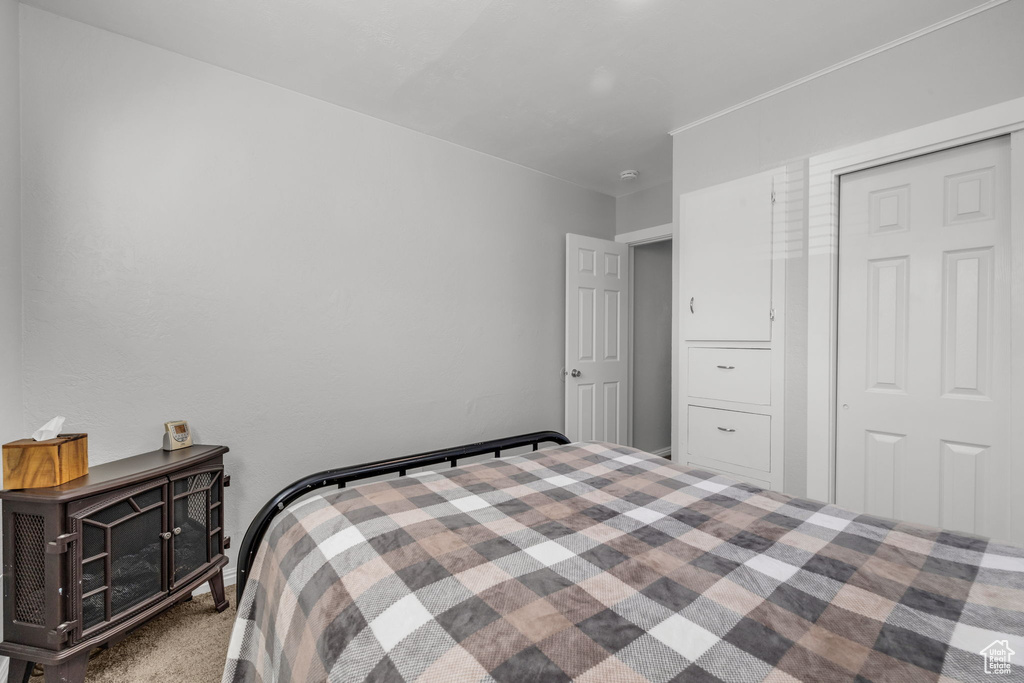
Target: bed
<point>595,562</point>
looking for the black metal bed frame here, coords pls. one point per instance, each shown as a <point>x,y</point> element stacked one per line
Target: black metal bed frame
<point>341,476</point>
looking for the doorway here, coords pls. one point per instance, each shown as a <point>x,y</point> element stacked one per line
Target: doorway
<point>651,327</point>
<point>601,326</point>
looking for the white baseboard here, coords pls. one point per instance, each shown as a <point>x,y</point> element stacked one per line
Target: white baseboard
<point>665,452</point>
<point>229,580</point>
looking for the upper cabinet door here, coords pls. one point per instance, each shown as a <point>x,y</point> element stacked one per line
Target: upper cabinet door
<point>726,255</point>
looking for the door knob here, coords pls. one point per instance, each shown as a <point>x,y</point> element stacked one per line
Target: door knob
<point>166,535</point>
<point>177,530</point>
<point>576,373</point>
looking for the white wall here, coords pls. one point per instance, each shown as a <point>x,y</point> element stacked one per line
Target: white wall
<point>10,228</point>
<point>965,66</point>
<point>652,345</point>
<point>643,208</point>
<point>308,285</point>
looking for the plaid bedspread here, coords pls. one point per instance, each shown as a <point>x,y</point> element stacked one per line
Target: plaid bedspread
<point>594,563</point>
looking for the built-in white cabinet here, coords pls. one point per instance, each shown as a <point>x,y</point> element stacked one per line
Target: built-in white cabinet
<point>731,327</point>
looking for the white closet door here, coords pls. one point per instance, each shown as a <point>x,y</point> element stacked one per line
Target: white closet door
<point>726,261</point>
<point>924,340</point>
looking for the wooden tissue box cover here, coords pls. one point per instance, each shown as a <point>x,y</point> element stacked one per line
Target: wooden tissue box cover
<point>32,464</point>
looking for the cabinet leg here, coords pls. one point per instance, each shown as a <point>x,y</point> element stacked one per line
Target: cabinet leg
<point>19,671</point>
<point>71,670</point>
<point>217,590</point>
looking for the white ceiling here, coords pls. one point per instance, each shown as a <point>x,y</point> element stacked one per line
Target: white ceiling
<point>579,89</point>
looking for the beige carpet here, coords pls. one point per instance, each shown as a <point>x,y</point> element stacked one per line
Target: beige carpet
<point>186,643</point>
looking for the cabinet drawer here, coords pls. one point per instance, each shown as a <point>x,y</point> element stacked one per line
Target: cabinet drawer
<point>740,375</point>
<point>732,437</point>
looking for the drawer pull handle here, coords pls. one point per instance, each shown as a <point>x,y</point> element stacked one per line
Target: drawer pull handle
<point>726,429</point>
<point>691,304</point>
<point>726,367</point>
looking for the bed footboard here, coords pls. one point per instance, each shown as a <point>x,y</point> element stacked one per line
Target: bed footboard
<point>341,476</point>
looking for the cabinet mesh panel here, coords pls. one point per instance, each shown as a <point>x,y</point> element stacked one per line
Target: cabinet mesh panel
<point>94,541</point>
<point>190,546</point>
<point>92,610</point>
<point>147,498</point>
<point>113,513</point>
<point>136,559</point>
<point>191,549</point>
<point>94,575</point>
<point>197,502</point>
<point>29,574</point>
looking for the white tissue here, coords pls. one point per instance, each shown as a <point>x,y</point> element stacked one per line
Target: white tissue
<point>49,430</point>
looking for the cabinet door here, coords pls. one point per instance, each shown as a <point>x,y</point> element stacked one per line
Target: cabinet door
<point>726,259</point>
<point>196,519</point>
<point>120,564</point>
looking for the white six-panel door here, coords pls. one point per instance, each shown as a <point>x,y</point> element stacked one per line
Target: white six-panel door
<point>596,339</point>
<point>923,379</point>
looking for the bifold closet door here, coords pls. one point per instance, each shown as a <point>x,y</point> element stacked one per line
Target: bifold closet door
<point>924,340</point>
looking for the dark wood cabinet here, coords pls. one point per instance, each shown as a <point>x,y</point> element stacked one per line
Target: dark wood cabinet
<point>87,561</point>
